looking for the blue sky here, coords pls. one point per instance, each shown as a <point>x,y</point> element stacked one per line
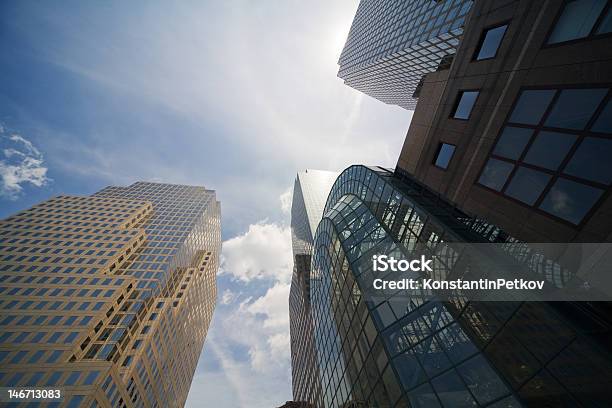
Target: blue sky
<point>234,95</point>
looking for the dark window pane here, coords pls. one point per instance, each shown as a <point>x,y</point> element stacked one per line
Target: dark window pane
<point>495,174</point>
<point>570,200</point>
<point>604,121</point>
<point>491,41</point>
<point>484,383</point>
<point>592,160</point>
<point>606,24</point>
<point>452,391</point>
<point>512,142</point>
<point>527,185</point>
<point>576,20</point>
<point>465,104</point>
<point>531,106</point>
<point>575,107</point>
<point>423,397</point>
<point>549,149</point>
<point>445,154</point>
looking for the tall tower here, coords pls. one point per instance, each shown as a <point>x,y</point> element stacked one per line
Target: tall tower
<point>392,45</point>
<point>109,297</point>
<point>310,191</point>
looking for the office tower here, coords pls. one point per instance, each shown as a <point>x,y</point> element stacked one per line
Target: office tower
<point>519,129</point>
<point>109,297</point>
<point>310,191</point>
<point>389,349</point>
<point>393,44</point>
<point>508,145</point>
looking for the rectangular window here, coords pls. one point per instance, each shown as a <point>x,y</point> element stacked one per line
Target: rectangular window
<point>578,19</point>
<point>464,104</point>
<point>444,155</point>
<point>553,152</point>
<point>489,43</point>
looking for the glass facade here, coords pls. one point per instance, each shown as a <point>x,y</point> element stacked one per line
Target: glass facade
<point>110,294</point>
<point>392,44</point>
<point>387,351</point>
<point>310,191</point>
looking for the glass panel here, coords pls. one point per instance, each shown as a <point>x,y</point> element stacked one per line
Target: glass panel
<point>495,174</point>
<point>592,160</point>
<point>604,121</point>
<point>465,105</point>
<point>423,397</point>
<point>445,154</point>
<point>512,142</point>
<point>527,185</point>
<point>409,370</point>
<point>575,107</point>
<point>531,106</point>
<point>484,383</point>
<point>577,20</point>
<point>570,200</point>
<point>606,24</point>
<point>549,149</point>
<point>452,391</point>
<point>491,42</point>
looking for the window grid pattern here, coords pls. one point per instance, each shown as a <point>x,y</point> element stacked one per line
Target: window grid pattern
<point>452,354</point>
<point>82,297</point>
<point>542,145</point>
<point>392,44</point>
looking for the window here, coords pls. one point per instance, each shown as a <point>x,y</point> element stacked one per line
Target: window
<point>575,107</point>
<point>531,106</point>
<point>464,104</point>
<point>553,153</point>
<point>489,43</point>
<point>444,155</point>
<point>578,19</point>
<point>512,142</point>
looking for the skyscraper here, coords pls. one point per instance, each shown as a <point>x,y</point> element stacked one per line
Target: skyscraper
<point>519,129</point>
<point>310,191</point>
<point>389,349</point>
<point>109,297</point>
<point>393,44</point>
<point>508,145</point>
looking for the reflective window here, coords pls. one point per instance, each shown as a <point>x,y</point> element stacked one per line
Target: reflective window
<point>592,160</point>
<point>577,20</point>
<point>527,185</point>
<point>575,107</point>
<point>603,123</point>
<point>558,132</point>
<point>495,174</point>
<point>606,25</point>
<point>512,142</point>
<point>444,155</point>
<point>452,391</point>
<point>570,200</point>
<point>482,380</point>
<point>490,42</point>
<point>465,103</point>
<point>531,106</point>
<point>549,149</point>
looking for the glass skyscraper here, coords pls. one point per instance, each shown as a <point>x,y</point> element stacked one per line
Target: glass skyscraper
<point>109,297</point>
<point>391,350</point>
<point>310,192</point>
<point>393,44</point>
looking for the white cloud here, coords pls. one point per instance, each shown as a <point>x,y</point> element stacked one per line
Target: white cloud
<point>264,251</point>
<point>285,200</point>
<point>227,297</point>
<point>21,163</point>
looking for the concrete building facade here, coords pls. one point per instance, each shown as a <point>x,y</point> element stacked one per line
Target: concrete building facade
<point>108,298</point>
